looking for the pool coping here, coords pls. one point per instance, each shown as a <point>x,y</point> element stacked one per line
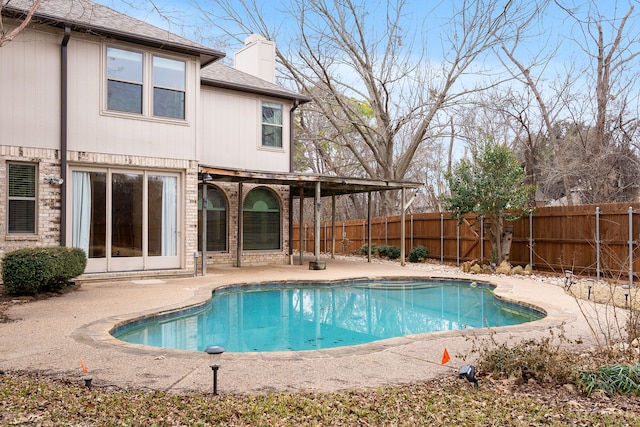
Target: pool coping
<point>100,331</point>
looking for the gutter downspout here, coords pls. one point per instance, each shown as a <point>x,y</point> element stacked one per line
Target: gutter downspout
<point>64,78</point>
<point>296,104</point>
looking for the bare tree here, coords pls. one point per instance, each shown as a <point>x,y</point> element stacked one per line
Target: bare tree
<point>587,111</point>
<point>8,33</point>
<point>338,52</point>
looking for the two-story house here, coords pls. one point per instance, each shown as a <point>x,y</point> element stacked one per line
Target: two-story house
<point>110,129</point>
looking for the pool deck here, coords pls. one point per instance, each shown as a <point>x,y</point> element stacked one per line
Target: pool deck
<point>51,336</point>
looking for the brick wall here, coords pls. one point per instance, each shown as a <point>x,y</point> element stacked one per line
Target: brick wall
<point>229,257</point>
<point>49,199</point>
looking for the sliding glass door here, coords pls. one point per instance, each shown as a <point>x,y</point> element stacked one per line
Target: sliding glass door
<point>126,220</point>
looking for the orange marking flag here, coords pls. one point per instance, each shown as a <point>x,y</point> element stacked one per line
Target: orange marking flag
<point>84,367</point>
<point>445,357</point>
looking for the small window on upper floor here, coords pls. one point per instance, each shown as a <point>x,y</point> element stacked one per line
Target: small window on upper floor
<point>271,124</point>
<point>168,87</point>
<point>133,78</point>
<point>124,80</point>
<point>22,198</point>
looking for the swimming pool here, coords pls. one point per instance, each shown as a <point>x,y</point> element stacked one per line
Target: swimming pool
<point>279,316</point>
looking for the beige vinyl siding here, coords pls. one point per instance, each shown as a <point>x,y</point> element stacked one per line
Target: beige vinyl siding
<point>96,129</point>
<point>230,132</point>
<point>30,90</point>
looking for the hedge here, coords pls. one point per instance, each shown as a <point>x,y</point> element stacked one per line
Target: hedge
<point>30,271</point>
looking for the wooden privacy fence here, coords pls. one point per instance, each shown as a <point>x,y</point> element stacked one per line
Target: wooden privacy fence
<point>587,239</point>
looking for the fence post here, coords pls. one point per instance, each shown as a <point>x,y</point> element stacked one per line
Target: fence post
<point>386,231</point>
<point>344,238</point>
<point>631,243</point>
<point>305,238</point>
<point>457,243</point>
<point>531,239</point>
<point>441,238</point>
<point>482,238</point>
<point>598,243</point>
<point>364,236</point>
<point>325,237</point>
<point>411,231</point>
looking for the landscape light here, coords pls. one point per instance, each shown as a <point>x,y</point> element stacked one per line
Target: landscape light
<point>469,373</point>
<point>214,353</point>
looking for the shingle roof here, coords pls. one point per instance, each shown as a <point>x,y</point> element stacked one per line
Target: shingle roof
<point>220,75</point>
<point>87,16</point>
<point>90,17</point>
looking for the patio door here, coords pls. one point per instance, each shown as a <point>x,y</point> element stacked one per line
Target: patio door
<point>126,220</point>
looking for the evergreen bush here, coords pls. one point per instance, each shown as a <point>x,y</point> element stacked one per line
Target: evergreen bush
<point>30,271</point>
<point>365,249</point>
<point>391,252</point>
<point>418,254</point>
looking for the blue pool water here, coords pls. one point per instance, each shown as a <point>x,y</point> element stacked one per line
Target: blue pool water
<point>302,316</point>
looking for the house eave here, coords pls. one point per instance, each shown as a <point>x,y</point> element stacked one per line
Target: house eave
<point>256,91</point>
<point>205,54</point>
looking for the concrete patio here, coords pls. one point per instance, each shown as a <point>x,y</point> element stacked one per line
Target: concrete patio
<point>51,336</point>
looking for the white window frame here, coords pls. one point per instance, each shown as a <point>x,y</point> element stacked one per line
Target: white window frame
<point>148,86</point>
<point>263,124</point>
<point>11,198</point>
<point>110,263</point>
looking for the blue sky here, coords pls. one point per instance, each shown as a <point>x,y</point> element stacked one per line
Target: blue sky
<point>426,16</point>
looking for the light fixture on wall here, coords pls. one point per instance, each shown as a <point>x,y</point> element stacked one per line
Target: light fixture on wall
<point>54,180</point>
<point>205,176</point>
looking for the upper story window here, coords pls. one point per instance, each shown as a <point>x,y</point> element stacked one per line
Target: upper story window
<point>271,124</point>
<point>134,77</point>
<point>22,198</point>
<point>168,87</point>
<point>124,80</point>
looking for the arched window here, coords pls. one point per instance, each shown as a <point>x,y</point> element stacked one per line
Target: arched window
<point>261,225</point>
<point>216,219</point>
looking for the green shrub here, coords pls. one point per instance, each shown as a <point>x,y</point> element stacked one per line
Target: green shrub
<point>612,379</point>
<point>365,249</point>
<point>418,254</point>
<point>29,271</point>
<point>391,252</point>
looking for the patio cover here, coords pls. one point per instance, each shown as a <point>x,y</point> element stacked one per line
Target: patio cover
<point>308,185</point>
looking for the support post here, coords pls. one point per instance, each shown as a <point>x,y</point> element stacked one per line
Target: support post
<point>333,226</point>
<point>290,226</point>
<point>205,202</point>
<point>318,206</point>
<point>369,207</point>
<point>303,241</point>
<point>317,265</point>
<point>240,242</point>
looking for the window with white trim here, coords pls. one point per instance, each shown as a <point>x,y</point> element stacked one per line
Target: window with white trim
<point>22,198</point>
<point>271,124</point>
<point>125,81</point>
<point>133,77</point>
<point>168,88</point>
